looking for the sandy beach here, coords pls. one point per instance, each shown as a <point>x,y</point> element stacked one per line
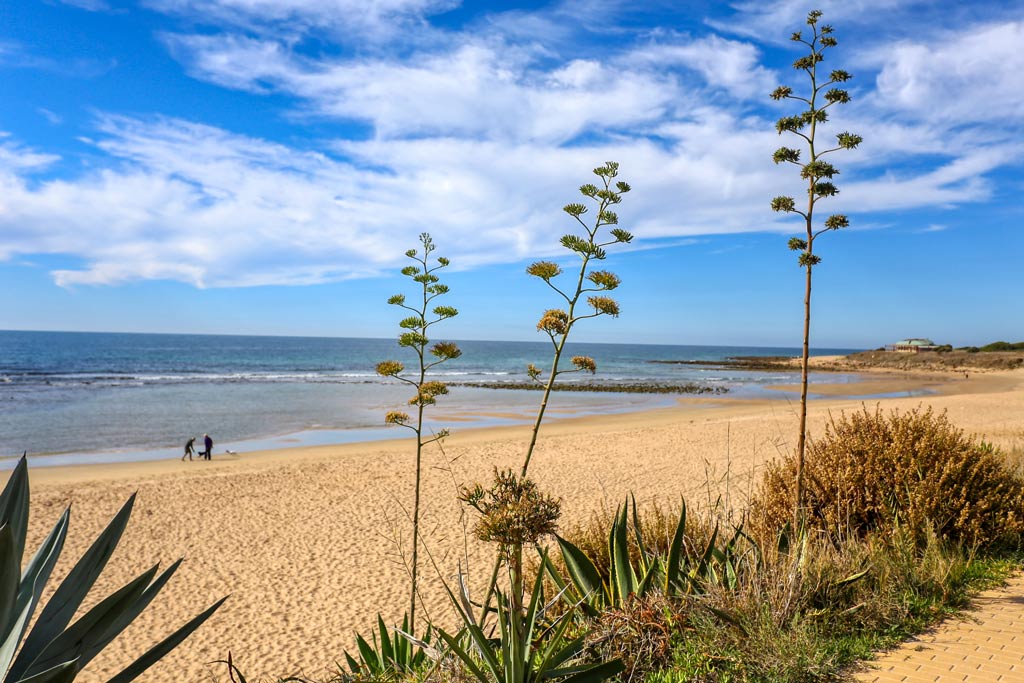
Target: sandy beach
<point>304,539</point>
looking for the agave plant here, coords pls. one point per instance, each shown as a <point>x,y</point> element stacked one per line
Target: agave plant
<point>681,571</point>
<point>393,654</point>
<point>530,648</point>
<point>56,650</point>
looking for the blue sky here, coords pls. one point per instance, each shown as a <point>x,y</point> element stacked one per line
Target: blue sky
<point>260,166</point>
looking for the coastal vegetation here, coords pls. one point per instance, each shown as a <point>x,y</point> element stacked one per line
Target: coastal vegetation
<point>943,361</point>
<point>819,175</point>
<point>913,471</point>
<point>558,323</point>
<point>994,346</point>
<point>425,392</point>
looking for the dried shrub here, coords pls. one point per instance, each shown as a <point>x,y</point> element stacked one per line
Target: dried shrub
<point>513,512</point>
<point>876,472</point>
<point>641,633</point>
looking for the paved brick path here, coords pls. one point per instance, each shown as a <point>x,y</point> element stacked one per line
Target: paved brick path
<point>986,646</point>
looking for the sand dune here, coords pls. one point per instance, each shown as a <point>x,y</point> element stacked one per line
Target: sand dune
<point>303,539</point>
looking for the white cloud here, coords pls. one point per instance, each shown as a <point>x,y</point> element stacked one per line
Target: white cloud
<point>959,181</point>
<point>53,118</point>
<point>15,158</point>
<point>729,64</point>
<point>474,89</point>
<point>195,203</point>
<point>476,138</point>
<point>976,75</point>
<point>774,20</point>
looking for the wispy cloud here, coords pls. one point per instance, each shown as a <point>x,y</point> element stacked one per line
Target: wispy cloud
<point>971,76</point>
<point>729,64</point>
<point>16,55</point>
<point>366,21</point>
<point>88,5</point>
<point>774,20</point>
<point>478,136</point>
<point>53,118</point>
<point>15,158</point>
<point>473,89</point>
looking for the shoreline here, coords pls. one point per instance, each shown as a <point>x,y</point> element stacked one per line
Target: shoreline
<point>304,539</point>
<point>865,385</point>
<point>891,386</point>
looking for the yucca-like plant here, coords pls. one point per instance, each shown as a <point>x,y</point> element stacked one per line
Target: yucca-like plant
<point>819,175</point>
<point>530,647</point>
<point>683,570</point>
<point>557,323</point>
<point>414,337</point>
<point>394,653</point>
<point>56,650</point>
<point>515,514</point>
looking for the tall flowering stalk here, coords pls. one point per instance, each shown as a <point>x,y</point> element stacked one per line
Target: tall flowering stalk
<point>426,391</point>
<point>819,175</point>
<point>557,323</point>
<point>534,643</point>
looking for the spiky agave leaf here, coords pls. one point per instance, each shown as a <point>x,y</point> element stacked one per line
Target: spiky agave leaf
<point>66,600</point>
<point>54,652</point>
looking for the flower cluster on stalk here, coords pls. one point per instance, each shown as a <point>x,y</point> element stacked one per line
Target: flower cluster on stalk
<point>513,511</point>
<point>557,323</point>
<point>414,335</point>
<point>817,173</point>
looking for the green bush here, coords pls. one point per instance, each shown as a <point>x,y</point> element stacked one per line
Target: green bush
<point>873,472</point>
<point>1003,346</point>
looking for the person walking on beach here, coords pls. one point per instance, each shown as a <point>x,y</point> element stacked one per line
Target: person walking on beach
<point>189,449</point>
<point>208,442</point>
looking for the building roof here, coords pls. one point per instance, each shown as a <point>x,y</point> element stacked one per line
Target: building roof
<point>915,342</point>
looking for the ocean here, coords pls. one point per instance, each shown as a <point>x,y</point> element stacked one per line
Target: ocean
<point>77,397</point>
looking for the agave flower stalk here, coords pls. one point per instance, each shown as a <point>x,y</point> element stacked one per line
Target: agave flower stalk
<point>414,337</point>
<point>557,323</point>
<point>819,176</point>
<point>514,513</point>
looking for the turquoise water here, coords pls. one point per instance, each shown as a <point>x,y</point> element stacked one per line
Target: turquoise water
<point>88,397</point>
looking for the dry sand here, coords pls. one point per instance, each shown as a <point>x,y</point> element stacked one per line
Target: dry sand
<point>303,539</point>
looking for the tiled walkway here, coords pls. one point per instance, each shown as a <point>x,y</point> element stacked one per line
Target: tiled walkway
<point>986,646</point>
